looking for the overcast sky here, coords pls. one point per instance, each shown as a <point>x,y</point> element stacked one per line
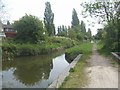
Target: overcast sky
<point>62,10</point>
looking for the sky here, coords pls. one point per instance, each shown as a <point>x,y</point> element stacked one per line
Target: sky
<point>62,10</point>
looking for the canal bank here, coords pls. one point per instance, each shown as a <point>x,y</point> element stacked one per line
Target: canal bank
<point>36,72</point>
<point>57,83</point>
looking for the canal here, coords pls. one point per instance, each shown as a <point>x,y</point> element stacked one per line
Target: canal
<point>33,72</point>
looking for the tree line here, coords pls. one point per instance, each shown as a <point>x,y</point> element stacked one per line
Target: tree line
<point>30,29</point>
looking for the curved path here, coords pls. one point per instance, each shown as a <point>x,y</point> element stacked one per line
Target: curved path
<point>101,72</point>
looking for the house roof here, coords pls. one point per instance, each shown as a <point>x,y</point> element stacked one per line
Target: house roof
<point>7,26</point>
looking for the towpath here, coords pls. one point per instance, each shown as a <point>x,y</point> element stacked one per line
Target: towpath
<point>100,71</point>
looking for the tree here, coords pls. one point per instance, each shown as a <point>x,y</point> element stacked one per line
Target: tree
<point>99,34</point>
<point>72,34</point>
<point>83,29</point>
<point>48,19</point>
<point>106,11</point>
<point>89,34</point>
<point>29,29</point>
<point>62,31</point>
<point>109,12</point>
<point>75,20</point>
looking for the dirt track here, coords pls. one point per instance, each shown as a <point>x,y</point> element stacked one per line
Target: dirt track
<point>101,72</point>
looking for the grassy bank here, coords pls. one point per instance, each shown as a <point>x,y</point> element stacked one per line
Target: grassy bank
<point>77,77</point>
<point>11,49</point>
<point>106,53</point>
<point>101,50</point>
<point>84,48</point>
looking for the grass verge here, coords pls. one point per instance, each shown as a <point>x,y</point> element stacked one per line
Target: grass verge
<point>102,50</point>
<point>84,48</point>
<point>77,77</point>
<point>106,53</point>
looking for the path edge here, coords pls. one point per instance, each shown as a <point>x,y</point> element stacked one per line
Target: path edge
<point>60,79</point>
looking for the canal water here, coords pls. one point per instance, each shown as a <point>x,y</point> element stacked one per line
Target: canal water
<point>33,72</point>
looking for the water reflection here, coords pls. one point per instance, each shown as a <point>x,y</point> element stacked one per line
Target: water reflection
<point>35,72</point>
<point>59,64</point>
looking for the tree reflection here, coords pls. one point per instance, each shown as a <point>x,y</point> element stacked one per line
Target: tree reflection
<point>30,70</point>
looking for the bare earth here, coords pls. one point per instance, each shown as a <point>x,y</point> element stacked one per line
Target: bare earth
<point>101,72</point>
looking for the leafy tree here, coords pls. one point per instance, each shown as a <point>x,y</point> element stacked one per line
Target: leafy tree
<point>80,36</point>
<point>110,13</point>
<point>62,31</point>
<point>48,19</point>
<point>72,34</point>
<point>29,29</point>
<point>103,10</point>
<point>59,30</point>
<point>111,36</point>
<point>83,28</point>
<point>99,34</point>
<point>75,20</point>
<point>89,34</point>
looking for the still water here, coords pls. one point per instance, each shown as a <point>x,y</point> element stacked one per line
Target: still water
<point>33,72</point>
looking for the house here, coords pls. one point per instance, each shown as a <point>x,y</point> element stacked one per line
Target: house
<point>8,30</point>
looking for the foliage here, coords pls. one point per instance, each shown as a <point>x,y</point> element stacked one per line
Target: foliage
<point>48,19</point>
<point>75,33</point>
<point>89,34</point>
<point>83,27</point>
<point>63,41</point>
<point>62,31</point>
<point>27,49</point>
<point>84,48</point>
<point>101,49</point>
<point>103,10</point>
<point>72,34</point>
<point>75,20</point>
<point>111,38</point>
<point>110,13</point>
<point>29,30</point>
<point>99,34</point>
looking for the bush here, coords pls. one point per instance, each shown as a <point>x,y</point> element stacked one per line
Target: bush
<point>62,41</point>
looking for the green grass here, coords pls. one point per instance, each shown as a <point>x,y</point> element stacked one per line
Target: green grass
<point>77,77</point>
<point>84,48</point>
<point>106,53</point>
<point>101,50</point>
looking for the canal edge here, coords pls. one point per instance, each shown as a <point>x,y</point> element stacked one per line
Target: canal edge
<point>60,79</point>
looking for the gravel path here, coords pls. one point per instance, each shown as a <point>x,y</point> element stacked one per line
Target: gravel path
<point>101,72</point>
